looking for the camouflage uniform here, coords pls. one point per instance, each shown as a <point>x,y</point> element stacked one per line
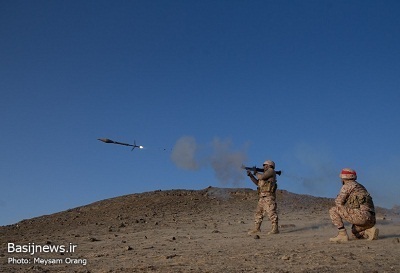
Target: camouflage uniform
<point>355,205</point>
<point>267,186</point>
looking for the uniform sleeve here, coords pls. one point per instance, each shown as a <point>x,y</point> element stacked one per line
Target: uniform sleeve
<point>343,195</point>
<point>255,180</point>
<point>266,175</point>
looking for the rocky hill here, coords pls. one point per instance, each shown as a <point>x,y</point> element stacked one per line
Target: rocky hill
<point>194,231</point>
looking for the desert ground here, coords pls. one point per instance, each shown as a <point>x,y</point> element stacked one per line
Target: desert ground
<point>195,231</point>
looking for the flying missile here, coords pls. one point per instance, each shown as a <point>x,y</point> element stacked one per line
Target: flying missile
<point>106,140</point>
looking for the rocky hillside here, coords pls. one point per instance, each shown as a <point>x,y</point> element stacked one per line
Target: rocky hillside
<point>168,231</point>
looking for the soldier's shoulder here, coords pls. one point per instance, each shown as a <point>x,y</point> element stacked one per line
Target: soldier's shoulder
<point>349,185</point>
<point>270,173</point>
<point>354,187</point>
<point>353,183</point>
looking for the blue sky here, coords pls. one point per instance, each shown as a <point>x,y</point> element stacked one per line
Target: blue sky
<point>312,85</point>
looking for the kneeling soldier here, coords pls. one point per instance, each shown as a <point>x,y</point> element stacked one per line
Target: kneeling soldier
<point>355,205</point>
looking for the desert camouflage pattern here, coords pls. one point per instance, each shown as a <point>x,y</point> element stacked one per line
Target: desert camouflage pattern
<point>267,198</point>
<point>355,205</point>
<point>267,182</point>
<point>266,205</point>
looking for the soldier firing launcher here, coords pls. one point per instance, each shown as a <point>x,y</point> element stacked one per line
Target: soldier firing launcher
<point>260,170</point>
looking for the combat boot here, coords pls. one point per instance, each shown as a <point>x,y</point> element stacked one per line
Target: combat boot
<point>256,229</point>
<point>274,229</point>
<point>341,237</point>
<point>356,233</point>
<point>371,234</point>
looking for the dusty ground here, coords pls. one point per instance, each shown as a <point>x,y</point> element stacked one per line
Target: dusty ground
<point>196,231</point>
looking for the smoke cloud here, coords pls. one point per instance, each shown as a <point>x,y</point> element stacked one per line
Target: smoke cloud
<point>311,167</point>
<point>227,163</point>
<point>315,171</point>
<point>219,155</point>
<point>184,153</point>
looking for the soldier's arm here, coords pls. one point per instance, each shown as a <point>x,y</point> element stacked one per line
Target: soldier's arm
<point>255,180</point>
<point>342,196</point>
<point>266,175</point>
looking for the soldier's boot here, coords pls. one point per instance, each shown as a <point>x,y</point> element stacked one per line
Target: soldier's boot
<point>371,234</point>
<point>356,233</point>
<point>255,230</point>
<point>341,237</point>
<point>274,229</point>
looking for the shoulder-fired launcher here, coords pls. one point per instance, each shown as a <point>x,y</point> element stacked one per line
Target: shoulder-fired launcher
<point>254,169</point>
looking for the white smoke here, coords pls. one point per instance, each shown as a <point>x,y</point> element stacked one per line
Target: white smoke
<point>227,163</point>
<point>184,153</point>
<point>220,156</point>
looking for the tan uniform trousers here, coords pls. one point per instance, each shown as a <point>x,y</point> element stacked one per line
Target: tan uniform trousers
<point>266,205</point>
<point>361,220</point>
